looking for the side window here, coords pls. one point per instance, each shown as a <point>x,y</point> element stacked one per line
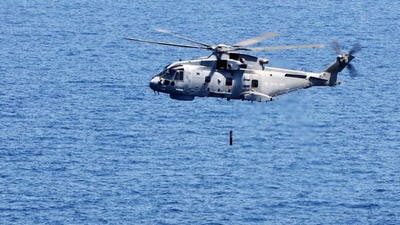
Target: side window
<point>234,56</point>
<point>222,64</point>
<point>254,83</point>
<point>228,81</point>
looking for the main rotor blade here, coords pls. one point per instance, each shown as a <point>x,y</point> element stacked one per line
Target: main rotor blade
<point>181,37</point>
<point>335,45</point>
<point>356,48</point>
<point>166,43</point>
<point>268,48</point>
<point>255,40</point>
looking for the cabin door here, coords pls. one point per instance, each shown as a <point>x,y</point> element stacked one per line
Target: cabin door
<point>196,80</point>
<point>246,82</point>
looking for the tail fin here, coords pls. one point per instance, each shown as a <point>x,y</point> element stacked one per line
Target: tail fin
<point>341,62</point>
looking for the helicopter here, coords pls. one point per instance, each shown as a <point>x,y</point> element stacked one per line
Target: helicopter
<point>229,73</point>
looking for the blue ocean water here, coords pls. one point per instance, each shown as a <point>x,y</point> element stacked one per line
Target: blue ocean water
<point>83,140</point>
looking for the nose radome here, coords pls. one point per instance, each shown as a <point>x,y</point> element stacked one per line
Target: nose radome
<point>154,83</point>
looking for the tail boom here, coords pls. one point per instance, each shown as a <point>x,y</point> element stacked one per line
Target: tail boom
<point>332,70</point>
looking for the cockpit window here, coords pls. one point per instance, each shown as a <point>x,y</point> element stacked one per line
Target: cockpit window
<point>179,75</point>
<point>172,74</point>
<point>169,74</point>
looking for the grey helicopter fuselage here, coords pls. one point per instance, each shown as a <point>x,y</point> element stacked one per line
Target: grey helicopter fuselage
<point>234,75</point>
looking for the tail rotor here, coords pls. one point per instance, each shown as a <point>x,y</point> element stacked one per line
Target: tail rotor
<point>344,58</point>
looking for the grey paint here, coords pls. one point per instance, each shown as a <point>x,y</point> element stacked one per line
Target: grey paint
<point>271,81</point>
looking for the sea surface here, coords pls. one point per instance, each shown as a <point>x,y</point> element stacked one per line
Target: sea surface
<point>84,140</point>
